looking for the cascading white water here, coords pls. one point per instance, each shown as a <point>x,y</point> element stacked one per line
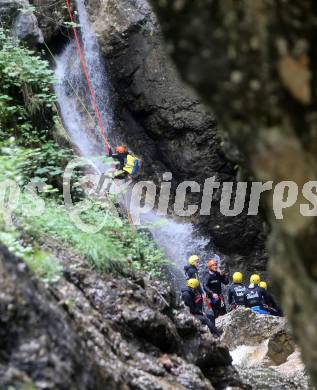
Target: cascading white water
<point>72,92</point>
<point>177,240</point>
<point>95,66</point>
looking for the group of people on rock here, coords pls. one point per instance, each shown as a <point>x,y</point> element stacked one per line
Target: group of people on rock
<point>206,300</point>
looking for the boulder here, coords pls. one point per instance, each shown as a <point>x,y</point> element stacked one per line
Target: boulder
<point>243,327</point>
<point>258,338</point>
<point>263,350</point>
<point>269,379</point>
<point>26,29</point>
<point>19,17</point>
<point>51,16</point>
<point>8,10</point>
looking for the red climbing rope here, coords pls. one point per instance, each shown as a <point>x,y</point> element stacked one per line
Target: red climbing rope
<point>84,66</point>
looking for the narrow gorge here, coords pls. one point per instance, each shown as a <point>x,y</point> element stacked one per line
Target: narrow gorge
<point>107,313</point>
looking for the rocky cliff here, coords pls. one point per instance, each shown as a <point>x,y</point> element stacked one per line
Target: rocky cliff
<point>89,331</point>
<point>165,123</point>
<point>92,331</point>
<point>258,60</point>
<point>161,120</point>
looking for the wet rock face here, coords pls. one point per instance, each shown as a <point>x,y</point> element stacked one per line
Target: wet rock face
<point>51,17</point>
<point>263,350</point>
<point>8,8</point>
<point>38,343</point>
<point>242,327</point>
<point>163,121</point>
<point>257,58</point>
<point>19,16</point>
<point>89,331</point>
<point>26,29</point>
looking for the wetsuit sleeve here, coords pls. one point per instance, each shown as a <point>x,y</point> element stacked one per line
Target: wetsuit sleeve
<point>272,303</point>
<point>230,295</point>
<point>120,158</point>
<point>246,304</point>
<point>189,302</point>
<point>205,285</point>
<point>265,298</point>
<point>115,156</point>
<point>224,279</point>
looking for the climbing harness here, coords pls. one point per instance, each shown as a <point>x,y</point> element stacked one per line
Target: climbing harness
<point>208,303</point>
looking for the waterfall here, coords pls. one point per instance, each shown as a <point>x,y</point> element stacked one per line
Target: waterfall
<point>73,96</point>
<point>176,239</point>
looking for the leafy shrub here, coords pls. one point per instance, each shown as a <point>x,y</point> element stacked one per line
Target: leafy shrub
<point>25,89</point>
<point>112,249</point>
<point>27,152</point>
<point>43,264</point>
<point>26,99</point>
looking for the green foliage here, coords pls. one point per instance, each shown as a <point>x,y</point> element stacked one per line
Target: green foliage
<point>46,164</point>
<point>25,88</point>
<point>25,96</point>
<point>41,165</point>
<point>43,264</point>
<point>27,152</point>
<point>112,249</point>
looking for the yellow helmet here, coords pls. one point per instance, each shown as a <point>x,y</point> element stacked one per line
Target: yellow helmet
<point>263,285</point>
<point>237,277</point>
<point>192,283</point>
<point>255,279</point>
<point>193,260</point>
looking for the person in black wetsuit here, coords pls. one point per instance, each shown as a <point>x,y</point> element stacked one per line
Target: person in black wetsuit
<point>193,299</point>
<point>212,285</point>
<point>191,270</point>
<point>270,302</point>
<point>236,291</point>
<point>255,296</point>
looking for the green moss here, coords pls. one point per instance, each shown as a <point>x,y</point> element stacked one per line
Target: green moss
<point>44,265</point>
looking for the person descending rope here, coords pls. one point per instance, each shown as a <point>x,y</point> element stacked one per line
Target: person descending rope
<point>255,296</point>
<point>236,291</point>
<point>193,299</point>
<point>128,164</point>
<point>270,302</point>
<point>212,285</point>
